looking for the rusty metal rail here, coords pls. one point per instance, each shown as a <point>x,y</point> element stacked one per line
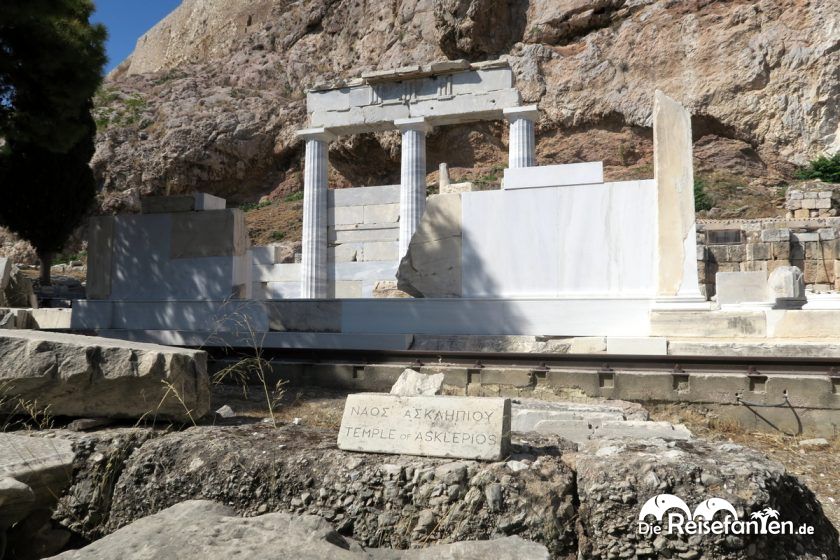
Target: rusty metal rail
<point>544,362</point>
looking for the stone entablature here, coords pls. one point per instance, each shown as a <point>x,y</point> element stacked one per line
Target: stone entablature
<point>412,100</point>
<point>443,93</point>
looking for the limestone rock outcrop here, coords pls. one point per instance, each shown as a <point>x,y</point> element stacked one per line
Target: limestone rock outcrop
<point>212,94</point>
<point>73,375</point>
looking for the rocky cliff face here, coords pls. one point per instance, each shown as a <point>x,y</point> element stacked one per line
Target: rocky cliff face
<point>212,95</point>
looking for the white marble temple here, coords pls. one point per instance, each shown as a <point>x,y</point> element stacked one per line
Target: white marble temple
<point>637,345</point>
<point>741,287</point>
<point>446,97</point>
<point>282,272</point>
<point>380,270</point>
<point>198,315</point>
<point>91,314</point>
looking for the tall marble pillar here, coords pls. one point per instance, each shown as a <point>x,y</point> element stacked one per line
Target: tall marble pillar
<point>412,177</point>
<point>314,250</point>
<point>676,256</point>
<point>522,146</point>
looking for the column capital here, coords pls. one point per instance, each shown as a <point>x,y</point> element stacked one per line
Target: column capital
<point>323,134</point>
<point>417,123</point>
<point>530,112</point>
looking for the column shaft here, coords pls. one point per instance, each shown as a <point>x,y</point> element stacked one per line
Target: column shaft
<point>412,184</point>
<point>314,249</point>
<point>521,143</point>
<point>521,151</point>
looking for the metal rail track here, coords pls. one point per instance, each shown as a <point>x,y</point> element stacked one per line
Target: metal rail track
<point>544,362</point>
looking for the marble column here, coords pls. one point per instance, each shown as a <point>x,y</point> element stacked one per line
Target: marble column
<point>412,177</point>
<point>522,146</point>
<point>314,250</point>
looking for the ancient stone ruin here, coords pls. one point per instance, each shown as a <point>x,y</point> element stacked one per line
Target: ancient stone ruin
<point>472,373</point>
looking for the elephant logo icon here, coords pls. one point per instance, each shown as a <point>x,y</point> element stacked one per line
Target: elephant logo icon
<point>658,505</point>
<point>707,510</point>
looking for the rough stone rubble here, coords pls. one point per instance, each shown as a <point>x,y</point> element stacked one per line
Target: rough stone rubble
<point>572,502</point>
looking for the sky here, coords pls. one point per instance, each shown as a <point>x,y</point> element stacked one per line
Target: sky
<point>126,21</point>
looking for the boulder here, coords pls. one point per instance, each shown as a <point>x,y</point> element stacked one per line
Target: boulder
<point>432,265</point>
<point>616,480</point>
<point>388,289</point>
<point>814,444</point>
<point>16,499</point>
<point>212,531</point>
<point>33,472</point>
<point>8,319</point>
<point>74,375</point>
<point>15,287</point>
<point>412,383</point>
<point>787,287</point>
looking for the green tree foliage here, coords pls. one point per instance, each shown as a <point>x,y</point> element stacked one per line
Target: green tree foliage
<point>51,61</point>
<point>824,168</point>
<point>702,201</point>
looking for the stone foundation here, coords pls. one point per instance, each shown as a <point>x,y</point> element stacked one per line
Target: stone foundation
<point>814,199</point>
<point>811,244</point>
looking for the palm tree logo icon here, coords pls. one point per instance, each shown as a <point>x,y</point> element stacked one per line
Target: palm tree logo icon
<point>764,515</point>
